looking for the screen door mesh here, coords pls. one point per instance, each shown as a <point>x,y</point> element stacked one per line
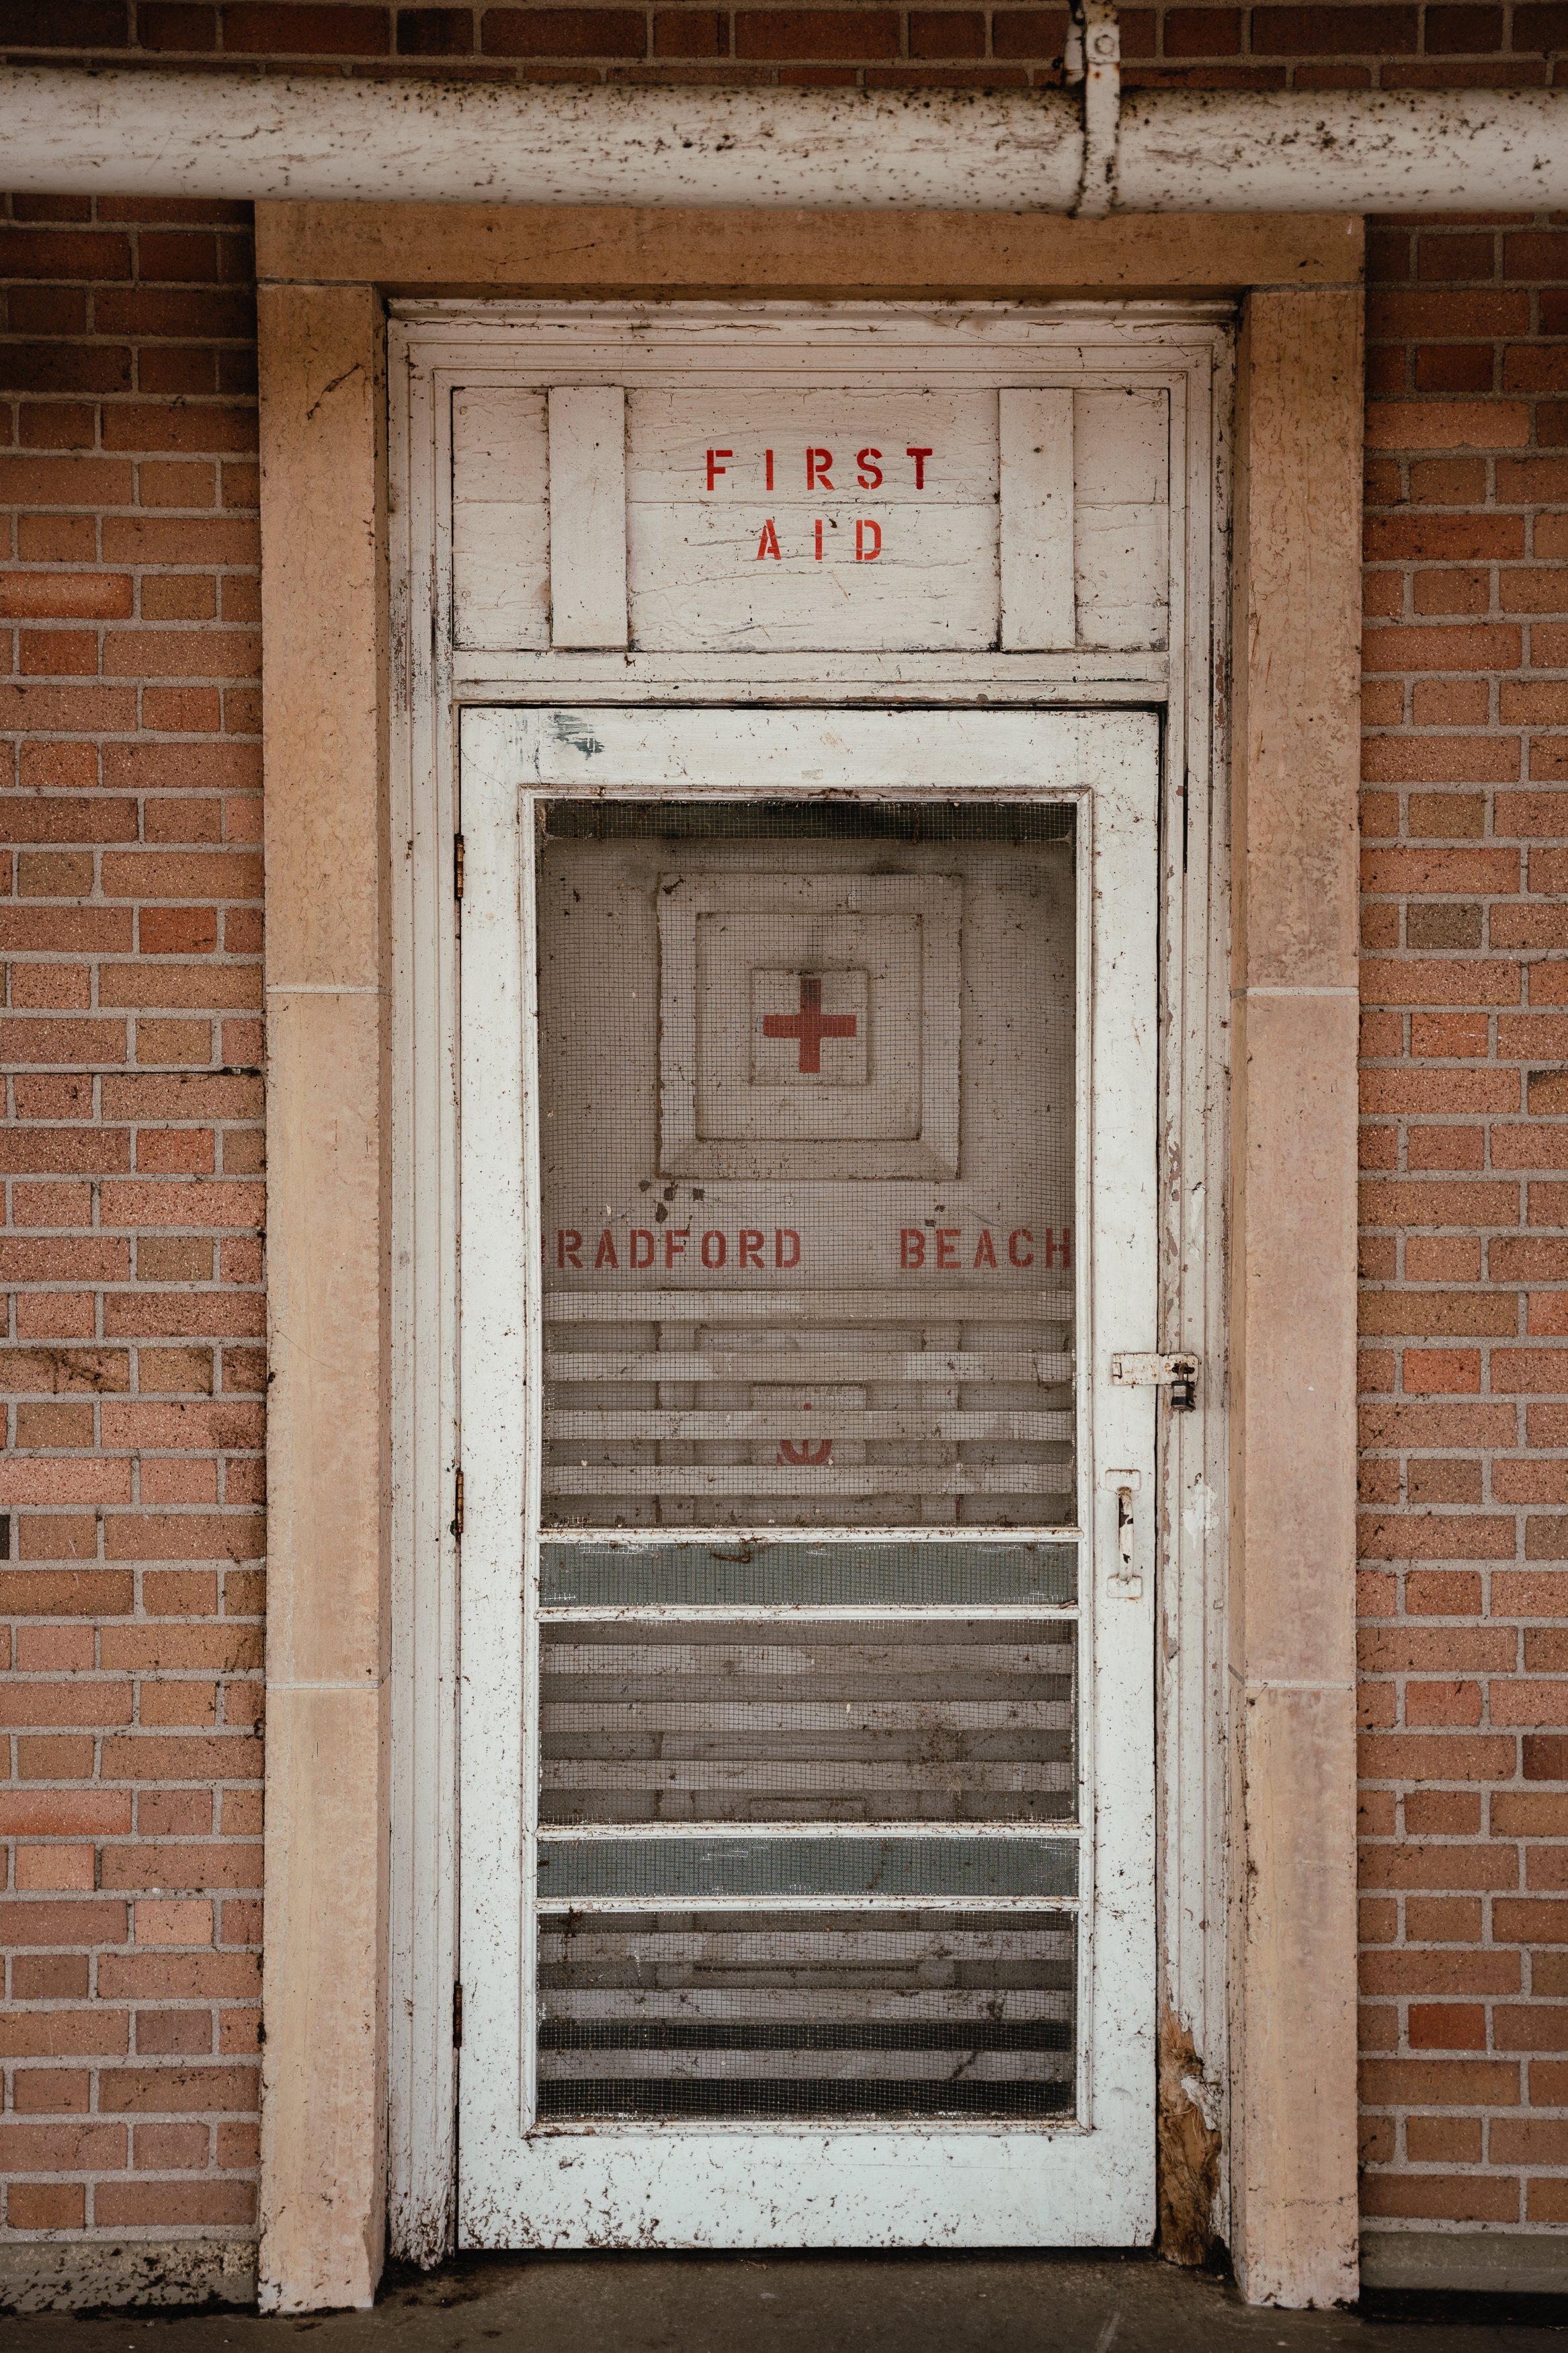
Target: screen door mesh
<point>808,1072</point>
<point>808,1119</point>
<point>799,2013</point>
<point>905,1719</point>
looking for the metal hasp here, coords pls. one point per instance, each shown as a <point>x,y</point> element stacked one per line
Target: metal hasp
<point>1177,1373</point>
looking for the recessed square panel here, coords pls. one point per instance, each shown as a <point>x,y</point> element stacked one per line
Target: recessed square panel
<point>810,1028</point>
<point>809,1025</point>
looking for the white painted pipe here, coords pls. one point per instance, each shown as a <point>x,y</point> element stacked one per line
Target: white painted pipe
<point>1342,150</point>
<point>68,132</point>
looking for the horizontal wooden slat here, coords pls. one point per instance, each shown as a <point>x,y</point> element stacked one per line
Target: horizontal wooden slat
<point>854,2005</point>
<point>810,1481</point>
<point>672,434</point>
<point>851,1778</point>
<point>901,2065</point>
<point>792,1648</point>
<point>1047,1304</point>
<point>563,1721</point>
<point>811,1365</point>
<point>829,1421</point>
<point>850,1943</point>
<point>696,579</point>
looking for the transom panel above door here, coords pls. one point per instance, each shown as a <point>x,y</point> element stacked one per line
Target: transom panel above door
<point>674,495</point>
<point>808,1186</point>
<point>759,518</point>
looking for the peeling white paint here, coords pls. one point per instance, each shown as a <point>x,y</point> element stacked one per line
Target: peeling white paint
<point>72,130</point>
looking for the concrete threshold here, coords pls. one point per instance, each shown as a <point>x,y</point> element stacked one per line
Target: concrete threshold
<point>809,2304</point>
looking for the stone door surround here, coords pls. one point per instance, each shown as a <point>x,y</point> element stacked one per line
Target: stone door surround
<point>325,272</point>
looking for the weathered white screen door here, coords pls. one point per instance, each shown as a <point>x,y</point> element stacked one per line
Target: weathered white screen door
<point>808,1116</point>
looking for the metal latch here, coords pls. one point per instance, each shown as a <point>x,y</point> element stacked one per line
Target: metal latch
<point>1124,1579</point>
<point>1177,1373</point>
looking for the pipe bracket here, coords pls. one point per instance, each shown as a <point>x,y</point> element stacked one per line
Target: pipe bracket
<point>1093,54</point>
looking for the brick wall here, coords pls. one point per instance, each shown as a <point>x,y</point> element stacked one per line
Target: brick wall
<point>1349,47</point>
<point>1464,1430</point>
<point>131,1257</point>
<point>130,1591</point>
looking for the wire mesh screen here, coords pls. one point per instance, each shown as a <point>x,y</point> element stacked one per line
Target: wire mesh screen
<point>739,1575</point>
<point>809,1720</point>
<point>786,2014</point>
<point>808,1075</point>
<point>807,1118</point>
<point>603,1866</point>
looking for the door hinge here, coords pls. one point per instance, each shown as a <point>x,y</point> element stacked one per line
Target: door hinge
<point>1177,1373</point>
<point>457,1507</point>
<point>458,865</point>
<point>457,2018</point>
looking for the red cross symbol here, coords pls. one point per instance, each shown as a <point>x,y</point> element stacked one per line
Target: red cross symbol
<point>810,1025</point>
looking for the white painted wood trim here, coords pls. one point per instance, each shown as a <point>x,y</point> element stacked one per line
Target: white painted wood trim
<point>498,1349</point>
<point>1091,2183</point>
<point>1038,609</point>
<point>587,516</point>
<point>1180,344</point>
<point>424,1847</point>
<point>1195,1018</point>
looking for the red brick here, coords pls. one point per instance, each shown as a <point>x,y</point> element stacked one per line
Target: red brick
<point>541,32</point>
<point>1527,1920</point>
<point>62,1922</point>
<point>1517,1372</point>
<point>1434,1202</point>
<point>61,2148</point>
<point>169,1757</point>
<point>1443,1866</point>
<point>56,2033</point>
<point>131,2204</point>
<point>173,2090</point>
<point>1425,1315</point>
<point>1314,32</point>
<point>1438,1756</point>
<point>1440,2083</point>
<point>1439,1973</point>
<point>1437,2197</point>
<point>1488,647</point>
<point>1416,981</point>
<point>1406,1649</point>
<point>45,2205</point>
<point>1448,425</point>
<point>267,28</point>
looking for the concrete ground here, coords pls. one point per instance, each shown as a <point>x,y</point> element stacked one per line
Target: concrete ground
<point>811,2304</point>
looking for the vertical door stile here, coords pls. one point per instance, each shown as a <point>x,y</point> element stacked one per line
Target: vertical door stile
<point>526,832</point>
<point>498,1289</point>
<point>1088,1453</point>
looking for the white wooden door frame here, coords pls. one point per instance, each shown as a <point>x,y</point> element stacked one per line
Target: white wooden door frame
<point>1186,348</point>
<point>689,2184</point>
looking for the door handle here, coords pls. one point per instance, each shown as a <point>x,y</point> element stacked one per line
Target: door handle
<point>1124,1580</point>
